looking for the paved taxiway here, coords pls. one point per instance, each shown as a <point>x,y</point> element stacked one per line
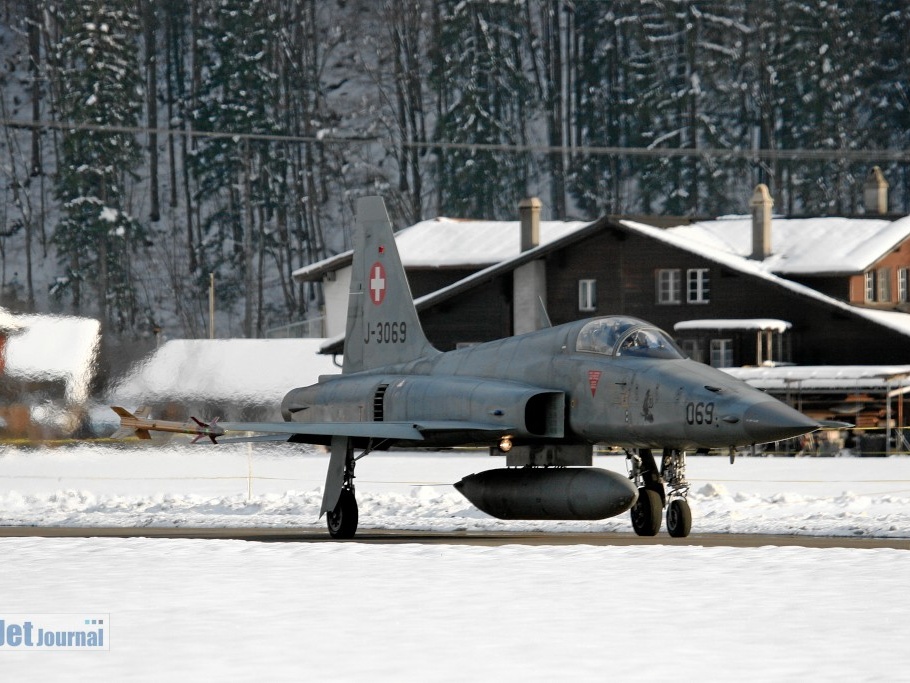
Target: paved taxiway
<point>484,538</point>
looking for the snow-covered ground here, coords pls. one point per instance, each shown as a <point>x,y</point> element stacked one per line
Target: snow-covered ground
<point>281,485</point>
<point>236,610</point>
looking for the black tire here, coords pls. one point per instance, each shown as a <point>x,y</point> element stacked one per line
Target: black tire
<point>679,518</point>
<point>647,512</point>
<point>342,521</point>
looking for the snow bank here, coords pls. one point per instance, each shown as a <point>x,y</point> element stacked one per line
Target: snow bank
<point>281,486</point>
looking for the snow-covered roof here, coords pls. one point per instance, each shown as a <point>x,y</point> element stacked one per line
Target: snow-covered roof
<point>734,324</point>
<point>804,246</point>
<point>717,251</point>
<point>444,242</point>
<point>8,322</point>
<point>50,348</point>
<point>825,377</point>
<point>899,322</point>
<point>254,371</point>
<point>453,243</point>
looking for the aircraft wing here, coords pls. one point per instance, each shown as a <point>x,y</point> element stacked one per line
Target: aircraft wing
<point>378,430</point>
<point>278,431</point>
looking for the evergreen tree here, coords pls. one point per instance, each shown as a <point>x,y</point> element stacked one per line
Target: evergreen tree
<point>610,107</point>
<point>483,94</point>
<point>236,173</point>
<point>886,89</point>
<point>691,64</point>
<point>825,52</point>
<point>100,84</point>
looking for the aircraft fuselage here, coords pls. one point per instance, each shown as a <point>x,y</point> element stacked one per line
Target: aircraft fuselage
<point>560,385</point>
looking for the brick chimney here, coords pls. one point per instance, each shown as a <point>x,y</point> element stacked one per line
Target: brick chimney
<point>761,204</point>
<point>875,192</point>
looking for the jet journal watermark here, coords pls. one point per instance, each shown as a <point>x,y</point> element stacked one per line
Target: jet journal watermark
<point>48,632</point>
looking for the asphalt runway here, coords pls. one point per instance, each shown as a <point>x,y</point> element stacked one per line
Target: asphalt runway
<point>483,538</point>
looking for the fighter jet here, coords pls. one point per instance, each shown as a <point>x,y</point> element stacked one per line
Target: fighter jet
<point>541,399</point>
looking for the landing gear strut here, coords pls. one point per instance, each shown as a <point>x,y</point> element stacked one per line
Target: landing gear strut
<point>342,519</point>
<point>653,496</point>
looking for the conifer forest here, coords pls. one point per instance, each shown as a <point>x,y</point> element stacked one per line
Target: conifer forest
<point>149,148</point>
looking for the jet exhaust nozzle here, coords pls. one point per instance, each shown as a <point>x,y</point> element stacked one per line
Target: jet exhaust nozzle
<point>576,493</point>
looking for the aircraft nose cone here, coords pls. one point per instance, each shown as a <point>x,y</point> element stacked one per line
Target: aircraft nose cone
<point>774,421</point>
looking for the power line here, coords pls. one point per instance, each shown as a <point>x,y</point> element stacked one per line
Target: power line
<point>866,155</point>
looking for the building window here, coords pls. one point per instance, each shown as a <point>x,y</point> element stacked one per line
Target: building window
<point>884,284</point>
<point>668,286</point>
<point>698,286</point>
<point>722,353</point>
<point>903,274</point>
<point>870,285</point>
<point>692,348</point>
<point>587,295</point>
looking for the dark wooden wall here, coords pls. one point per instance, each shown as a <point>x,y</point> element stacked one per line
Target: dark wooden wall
<point>624,266</point>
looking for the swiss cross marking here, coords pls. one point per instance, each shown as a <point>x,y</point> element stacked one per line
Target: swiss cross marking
<point>593,379</point>
<point>377,283</point>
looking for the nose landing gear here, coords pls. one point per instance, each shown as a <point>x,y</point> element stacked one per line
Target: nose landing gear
<point>656,489</point>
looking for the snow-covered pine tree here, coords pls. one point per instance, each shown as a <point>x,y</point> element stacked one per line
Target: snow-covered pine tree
<point>480,79</point>
<point>607,88</point>
<point>691,64</point>
<point>98,84</point>
<point>237,175</point>
<point>825,53</point>
<point>886,88</point>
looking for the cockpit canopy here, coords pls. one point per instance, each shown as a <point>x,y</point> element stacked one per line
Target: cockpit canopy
<point>620,336</point>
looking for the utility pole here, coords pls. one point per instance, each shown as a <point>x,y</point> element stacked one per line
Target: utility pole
<point>211,305</point>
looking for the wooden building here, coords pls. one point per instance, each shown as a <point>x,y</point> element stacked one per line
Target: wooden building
<point>713,284</point>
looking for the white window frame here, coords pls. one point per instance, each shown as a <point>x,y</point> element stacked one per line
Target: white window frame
<point>587,296</point>
<point>884,284</point>
<point>693,349</point>
<point>869,282</point>
<point>698,285</point>
<point>669,286</point>
<point>903,282</point>
<point>722,353</point>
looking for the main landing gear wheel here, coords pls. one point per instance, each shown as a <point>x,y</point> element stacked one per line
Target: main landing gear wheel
<point>647,512</point>
<point>649,508</point>
<point>679,518</point>
<point>342,521</point>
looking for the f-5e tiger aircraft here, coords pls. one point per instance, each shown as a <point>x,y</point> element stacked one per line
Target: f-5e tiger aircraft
<point>542,399</point>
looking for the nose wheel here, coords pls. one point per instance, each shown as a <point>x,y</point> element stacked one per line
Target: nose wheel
<point>679,518</point>
<point>673,471</point>
<point>657,489</point>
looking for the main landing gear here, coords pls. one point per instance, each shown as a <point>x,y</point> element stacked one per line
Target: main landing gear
<point>653,495</point>
<point>342,519</point>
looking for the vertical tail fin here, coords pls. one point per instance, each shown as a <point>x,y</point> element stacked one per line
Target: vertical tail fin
<point>383,327</point>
